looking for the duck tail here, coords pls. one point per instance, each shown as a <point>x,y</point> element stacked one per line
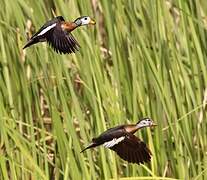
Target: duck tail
<point>31,42</point>
<point>89,146</point>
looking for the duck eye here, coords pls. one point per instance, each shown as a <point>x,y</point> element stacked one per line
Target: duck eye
<point>85,18</point>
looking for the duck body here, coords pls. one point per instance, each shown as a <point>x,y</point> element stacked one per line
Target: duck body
<point>122,140</point>
<point>110,134</point>
<point>57,33</point>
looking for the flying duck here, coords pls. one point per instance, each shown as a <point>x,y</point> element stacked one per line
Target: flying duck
<point>57,32</point>
<point>122,140</point>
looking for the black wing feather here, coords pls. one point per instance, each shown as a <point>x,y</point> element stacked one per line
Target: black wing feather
<point>49,23</point>
<point>39,38</point>
<point>62,41</point>
<point>132,150</point>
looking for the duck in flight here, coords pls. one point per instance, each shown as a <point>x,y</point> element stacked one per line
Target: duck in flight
<point>57,32</point>
<point>122,140</point>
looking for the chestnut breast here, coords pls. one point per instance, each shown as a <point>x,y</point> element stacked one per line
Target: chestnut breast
<point>68,26</point>
<point>131,128</point>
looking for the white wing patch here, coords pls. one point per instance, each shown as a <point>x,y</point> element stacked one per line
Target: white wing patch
<point>46,29</point>
<point>113,142</point>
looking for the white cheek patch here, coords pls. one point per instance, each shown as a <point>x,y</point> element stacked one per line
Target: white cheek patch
<point>113,142</point>
<point>46,29</point>
<point>85,22</point>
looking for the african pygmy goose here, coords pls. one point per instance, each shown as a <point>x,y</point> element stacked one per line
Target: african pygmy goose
<point>57,32</point>
<point>122,140</point>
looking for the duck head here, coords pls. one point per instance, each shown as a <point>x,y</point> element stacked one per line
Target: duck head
<point>84,20</point>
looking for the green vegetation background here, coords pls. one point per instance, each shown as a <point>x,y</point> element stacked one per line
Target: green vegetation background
<point>143,58</point>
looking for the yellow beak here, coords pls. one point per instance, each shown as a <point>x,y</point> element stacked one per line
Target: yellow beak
<point>154,124</point>
<point>92,21</point>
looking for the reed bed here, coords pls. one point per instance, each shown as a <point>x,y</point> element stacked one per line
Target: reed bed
<point>143,58</point>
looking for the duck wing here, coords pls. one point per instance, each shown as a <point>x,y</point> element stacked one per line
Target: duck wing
<point>45,31</point>
<point>49,25</point>
<point>62,41</point>
<point>132,150</point>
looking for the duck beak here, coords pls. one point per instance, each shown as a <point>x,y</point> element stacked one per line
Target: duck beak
<point>153,124</point>
<point>92,21</point>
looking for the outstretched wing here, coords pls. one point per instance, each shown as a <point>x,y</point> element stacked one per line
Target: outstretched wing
<point>48,26</point>
<point>44,31</point>
<point>62,41</point>
<point>132,150</point>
